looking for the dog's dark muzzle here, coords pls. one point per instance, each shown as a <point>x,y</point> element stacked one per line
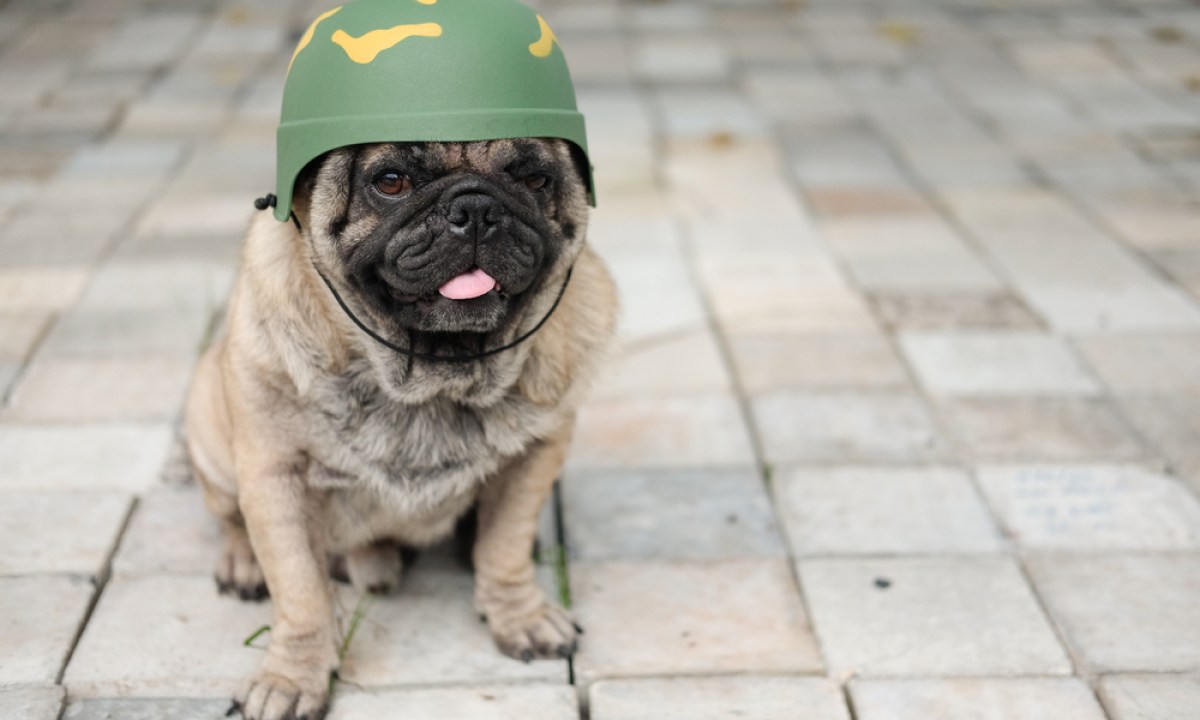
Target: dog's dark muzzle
<point>474,217</point>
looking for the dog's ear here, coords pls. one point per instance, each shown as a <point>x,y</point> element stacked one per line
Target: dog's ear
<point>326,183</point>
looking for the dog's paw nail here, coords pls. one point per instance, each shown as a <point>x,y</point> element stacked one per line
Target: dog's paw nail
<point>527,655</point>
<point>578,627</point>
<point>317,714</point>
<point>565,651</point>
<point>234,708</point>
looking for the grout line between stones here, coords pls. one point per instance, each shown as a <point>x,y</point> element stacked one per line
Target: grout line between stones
<point>763,467</point>
<point>99,582</point>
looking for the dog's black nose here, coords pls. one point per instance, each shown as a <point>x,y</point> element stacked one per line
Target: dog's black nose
<point>474,216</point>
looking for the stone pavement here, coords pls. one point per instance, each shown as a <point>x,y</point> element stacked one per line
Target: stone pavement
<point>907,425</point>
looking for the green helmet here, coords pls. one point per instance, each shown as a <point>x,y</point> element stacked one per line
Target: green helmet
<point>422,70</point>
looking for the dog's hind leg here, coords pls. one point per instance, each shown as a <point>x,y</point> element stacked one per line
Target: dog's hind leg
<point>375,568</point>
<point>207,441</point>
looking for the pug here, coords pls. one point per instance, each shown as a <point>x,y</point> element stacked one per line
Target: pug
<point>412,347</point>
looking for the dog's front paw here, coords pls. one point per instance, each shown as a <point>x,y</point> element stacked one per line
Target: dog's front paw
<point>546,632</point>
<point>268,696</point>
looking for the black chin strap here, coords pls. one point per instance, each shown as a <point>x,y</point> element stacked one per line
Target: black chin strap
<point>269,200</point>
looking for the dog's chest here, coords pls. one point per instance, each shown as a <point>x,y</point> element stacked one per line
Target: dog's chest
<point>416,458</point>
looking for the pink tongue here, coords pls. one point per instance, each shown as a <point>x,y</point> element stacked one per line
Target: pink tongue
<point>468,285</point>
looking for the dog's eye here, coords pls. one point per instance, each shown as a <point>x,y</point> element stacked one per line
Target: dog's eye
<point>393,183</point>
<point>537,181</point>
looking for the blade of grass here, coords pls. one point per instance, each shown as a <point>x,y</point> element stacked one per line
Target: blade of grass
<point>356,618</point>
<point>562,577</point>
<point>256,634</point>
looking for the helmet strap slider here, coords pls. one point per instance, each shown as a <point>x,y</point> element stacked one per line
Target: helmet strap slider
<point>269,201</point>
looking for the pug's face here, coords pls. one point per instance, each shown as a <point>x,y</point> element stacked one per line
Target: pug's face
<point>444,242</point>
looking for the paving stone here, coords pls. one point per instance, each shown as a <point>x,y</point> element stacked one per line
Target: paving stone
<point>665,618</point>
<point>668,515</point>
<point>8,373</point>
<point>39,618</point>
<point>657,296</point>
<point>840,203</point>
<point>668,365</point>
<point>31,702</point>
<point>680,431</point>
<point>80,390</point>
<point>60,532</point>
<point>146,42</point>
<point>145,709</point>
<point>996,364</point>
<point>962,163</point>
<point>772,266</point>
<point>816,362</point>
<point>894,256</point>
<point>1079,279</point>
<point>1152,223</point>
<point>132,286</point>
<point>190,643</point>
<point>865,511</point>
<point>1150,697</point>
<point>663,58</point>
<point>906,311</point>
<point>913,617</point>
<point>171,532</point>
<point>846,427</point>
<point>61,124</point>
<point>630,234</point>
<point>1132,364</point>
<point>108,202</point>
<point>35,239</point>
<point>31,161</point>
<point>669,17</point>
<point>794,97</point>
<point>969,699</point>
<point>771,291</point>
<point>174,332</point>
<point>691,113</point>
<point>117,158</point>
<point>40,290</point>
<point>1171,425</point>
<point>596,60</point>
<point>1040,428</point>
<point>1092,508</point>
<point>478,702</point>
<point>430,633</point>
<point>763,698</point>
<point>849,161</point>
<point>117,456</point>
<point>198,214</point>
<point>1124,613</point>
<point>19,334</point>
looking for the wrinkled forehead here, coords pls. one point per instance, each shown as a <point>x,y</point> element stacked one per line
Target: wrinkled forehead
<point>484,156</point>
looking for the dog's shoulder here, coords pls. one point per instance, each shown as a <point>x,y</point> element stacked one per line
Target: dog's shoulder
<point>576,342</point>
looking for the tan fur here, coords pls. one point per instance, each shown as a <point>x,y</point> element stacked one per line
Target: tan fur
<point>298,488</point>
